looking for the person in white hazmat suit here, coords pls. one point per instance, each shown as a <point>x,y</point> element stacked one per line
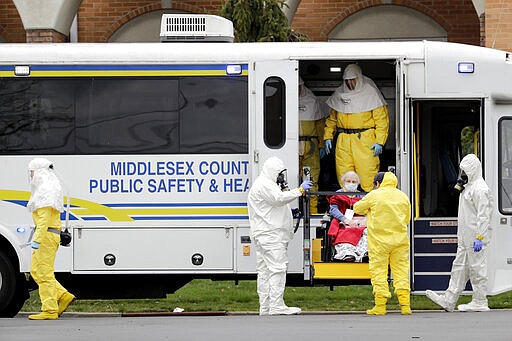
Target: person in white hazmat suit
<point>474,236</point>
<point>271,228</point>
<point>46,202</point>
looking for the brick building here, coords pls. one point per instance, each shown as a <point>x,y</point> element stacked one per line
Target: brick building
<point>476,22</point>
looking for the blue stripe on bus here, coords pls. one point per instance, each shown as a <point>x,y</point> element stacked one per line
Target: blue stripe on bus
<point>94,218</point>
<point>123,67</point>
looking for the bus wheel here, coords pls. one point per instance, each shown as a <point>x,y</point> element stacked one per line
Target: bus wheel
<point>12,288</point>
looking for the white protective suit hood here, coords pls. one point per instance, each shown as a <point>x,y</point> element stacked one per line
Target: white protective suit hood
<point>471,165</point>
<point>45,187</point>
<point>272,167</point>
<point>310,108</point>
<point>365,97</point>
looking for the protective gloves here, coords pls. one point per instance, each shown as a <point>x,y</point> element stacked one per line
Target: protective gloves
<point>377,149</point>
<point>328,146</point>
<point>322,153</point>
<point>34,245</point>
<point>306,185</point>
<point>477,245</point>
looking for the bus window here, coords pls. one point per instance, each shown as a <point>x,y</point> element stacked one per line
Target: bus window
<point>124,115</point>
<point>274,112</point>
<point>505,160</point>
<point>37,115</point>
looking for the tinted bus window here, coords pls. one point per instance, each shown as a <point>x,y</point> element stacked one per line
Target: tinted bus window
<point>505,170</point>
<point>274,112</point>
<point>124,115</point>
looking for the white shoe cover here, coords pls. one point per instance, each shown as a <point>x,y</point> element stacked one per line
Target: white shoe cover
<point>473,306</point>
<point>264,312</point>
<point>440,300</point>
<point>286,311</point>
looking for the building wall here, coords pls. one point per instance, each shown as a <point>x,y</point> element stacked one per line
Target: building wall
<point>98,20</point>
<point>317,18</point>
<point>11,27</point>
<point>498,24</point>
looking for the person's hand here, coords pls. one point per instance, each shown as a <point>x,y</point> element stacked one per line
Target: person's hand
<point>377,149</point>
<point>306,185</point>
<point>328,146</point>
<point>322,153</point>
<point>477,245</point>
<point>35,245</point>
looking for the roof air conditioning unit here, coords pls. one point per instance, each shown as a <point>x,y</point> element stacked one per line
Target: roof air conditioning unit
<point>195,28</point>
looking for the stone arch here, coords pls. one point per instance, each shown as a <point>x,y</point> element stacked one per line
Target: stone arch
<point>348,11</point>
<point>379,23</point>
<point>131,16</point>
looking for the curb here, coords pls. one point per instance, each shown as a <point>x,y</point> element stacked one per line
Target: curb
<point>220,313</point>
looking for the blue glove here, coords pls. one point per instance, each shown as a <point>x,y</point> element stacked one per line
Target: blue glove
<point>377,149</point>
<point>328,146</point>
<point>322,153</point>
<point>306,185</point>
<point>34,245</point>
<point>477,245</point>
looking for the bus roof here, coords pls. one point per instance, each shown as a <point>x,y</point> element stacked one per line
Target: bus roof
<point>119,53</point>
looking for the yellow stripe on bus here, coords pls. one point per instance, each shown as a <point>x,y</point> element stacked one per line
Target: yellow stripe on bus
<point>84,207</point>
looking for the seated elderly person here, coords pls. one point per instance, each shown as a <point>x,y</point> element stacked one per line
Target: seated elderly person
<point>348,231</point>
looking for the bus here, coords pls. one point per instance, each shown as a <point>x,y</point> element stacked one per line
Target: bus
<point>157,145</point>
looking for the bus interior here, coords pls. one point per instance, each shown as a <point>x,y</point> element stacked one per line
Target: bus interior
<point>440,132</point>
<point>323,77</point>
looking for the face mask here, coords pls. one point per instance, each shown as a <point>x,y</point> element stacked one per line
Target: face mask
<point>281,180</point>
<point>350,187</point>
<point>461,181</point>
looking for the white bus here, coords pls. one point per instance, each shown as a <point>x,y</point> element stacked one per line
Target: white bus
<point>158,144</point>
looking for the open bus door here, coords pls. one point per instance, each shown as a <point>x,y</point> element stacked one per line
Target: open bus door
<point>387,75</point>
<point>443,131</point>
<point>274,98</point>
<point>500,254</point>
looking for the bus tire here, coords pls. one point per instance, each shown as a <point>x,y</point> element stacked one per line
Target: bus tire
<point>13,290</point>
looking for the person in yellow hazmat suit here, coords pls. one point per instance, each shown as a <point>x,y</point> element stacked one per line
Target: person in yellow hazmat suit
<point>388,211</point>
<point>45,204</point>
<point>360,115</point>
<point>312,114</point>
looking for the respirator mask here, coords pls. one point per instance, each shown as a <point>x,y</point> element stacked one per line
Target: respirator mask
<point>462,180</point>
<point>282,180</point>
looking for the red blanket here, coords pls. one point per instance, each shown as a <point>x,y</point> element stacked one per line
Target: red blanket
<point>338,232</point>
